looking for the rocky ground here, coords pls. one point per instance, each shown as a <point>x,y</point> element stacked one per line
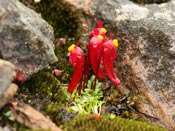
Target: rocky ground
<point>34,66</point>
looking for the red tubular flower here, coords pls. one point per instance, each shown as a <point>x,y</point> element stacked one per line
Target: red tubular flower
<point>108,56</point>
<point>77,60</point>
<point>101,30</point>
<point>94,53</point>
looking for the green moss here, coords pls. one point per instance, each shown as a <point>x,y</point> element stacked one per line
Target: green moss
<point>47,86</point>
<point>59,113</point>
<point>53,111</point>
<point>62,16</point>
<point>45,93</point>
<point>41,90</point>
<point>63,63</point>
<point>108,123</point>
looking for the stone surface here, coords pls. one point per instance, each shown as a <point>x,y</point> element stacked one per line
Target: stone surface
<point>26,40</point>
<point>7,89</point>
<point>146,54</point>
<point>33,119</point>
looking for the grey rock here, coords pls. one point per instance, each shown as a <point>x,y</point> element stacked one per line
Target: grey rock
<point>26,40</point>
<point>6,128</point>
<point>146,52</point>
<point>7,74</point>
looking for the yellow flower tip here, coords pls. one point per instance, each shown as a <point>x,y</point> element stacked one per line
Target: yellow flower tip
<point>71,47</point>
<point>115,42</point>
<point>103,30</point>
<point>100,37</point>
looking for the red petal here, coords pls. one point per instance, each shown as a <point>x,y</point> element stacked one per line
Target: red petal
<point>77,74</point>
<point>108,63</point>
<point>77,59</point>
<point>96,31</point>
<point>94,55</point>
<point>111,36</point>
<point>99,24</point>
<point>75,54</point>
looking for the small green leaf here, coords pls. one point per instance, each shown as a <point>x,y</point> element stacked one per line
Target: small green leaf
<point>90,100</point>
<point>9,115</point>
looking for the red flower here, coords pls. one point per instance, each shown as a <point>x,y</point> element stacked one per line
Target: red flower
<point>101,55</point>
<point>77,60</point>
<point>108,57</point>
<point>94,53</point>
<point>101,30</point>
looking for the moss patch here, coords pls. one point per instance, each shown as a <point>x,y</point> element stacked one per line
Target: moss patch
<point>108,123</point>
<point>43,88</point>
<point>46,94</point>
<point>59,113</point>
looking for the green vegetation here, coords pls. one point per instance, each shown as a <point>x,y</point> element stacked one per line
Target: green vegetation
<point>108,123</point>
<point>90,100</point>
<point>43,88</point>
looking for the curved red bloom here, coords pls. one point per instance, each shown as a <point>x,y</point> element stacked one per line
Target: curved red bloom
<point>94,54</point>
<point>101,30</point>
<point>101,55</point>
<point>77,60</point>
<point>108,56</point>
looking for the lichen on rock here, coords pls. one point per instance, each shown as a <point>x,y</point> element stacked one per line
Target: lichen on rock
<point>7,88</point>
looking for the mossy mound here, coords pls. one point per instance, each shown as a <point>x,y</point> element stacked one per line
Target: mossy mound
<point>107,123</point>
<point>59,113</point>
<point>46,94</point>
<point>43,88</point>
<point>150,1</point>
